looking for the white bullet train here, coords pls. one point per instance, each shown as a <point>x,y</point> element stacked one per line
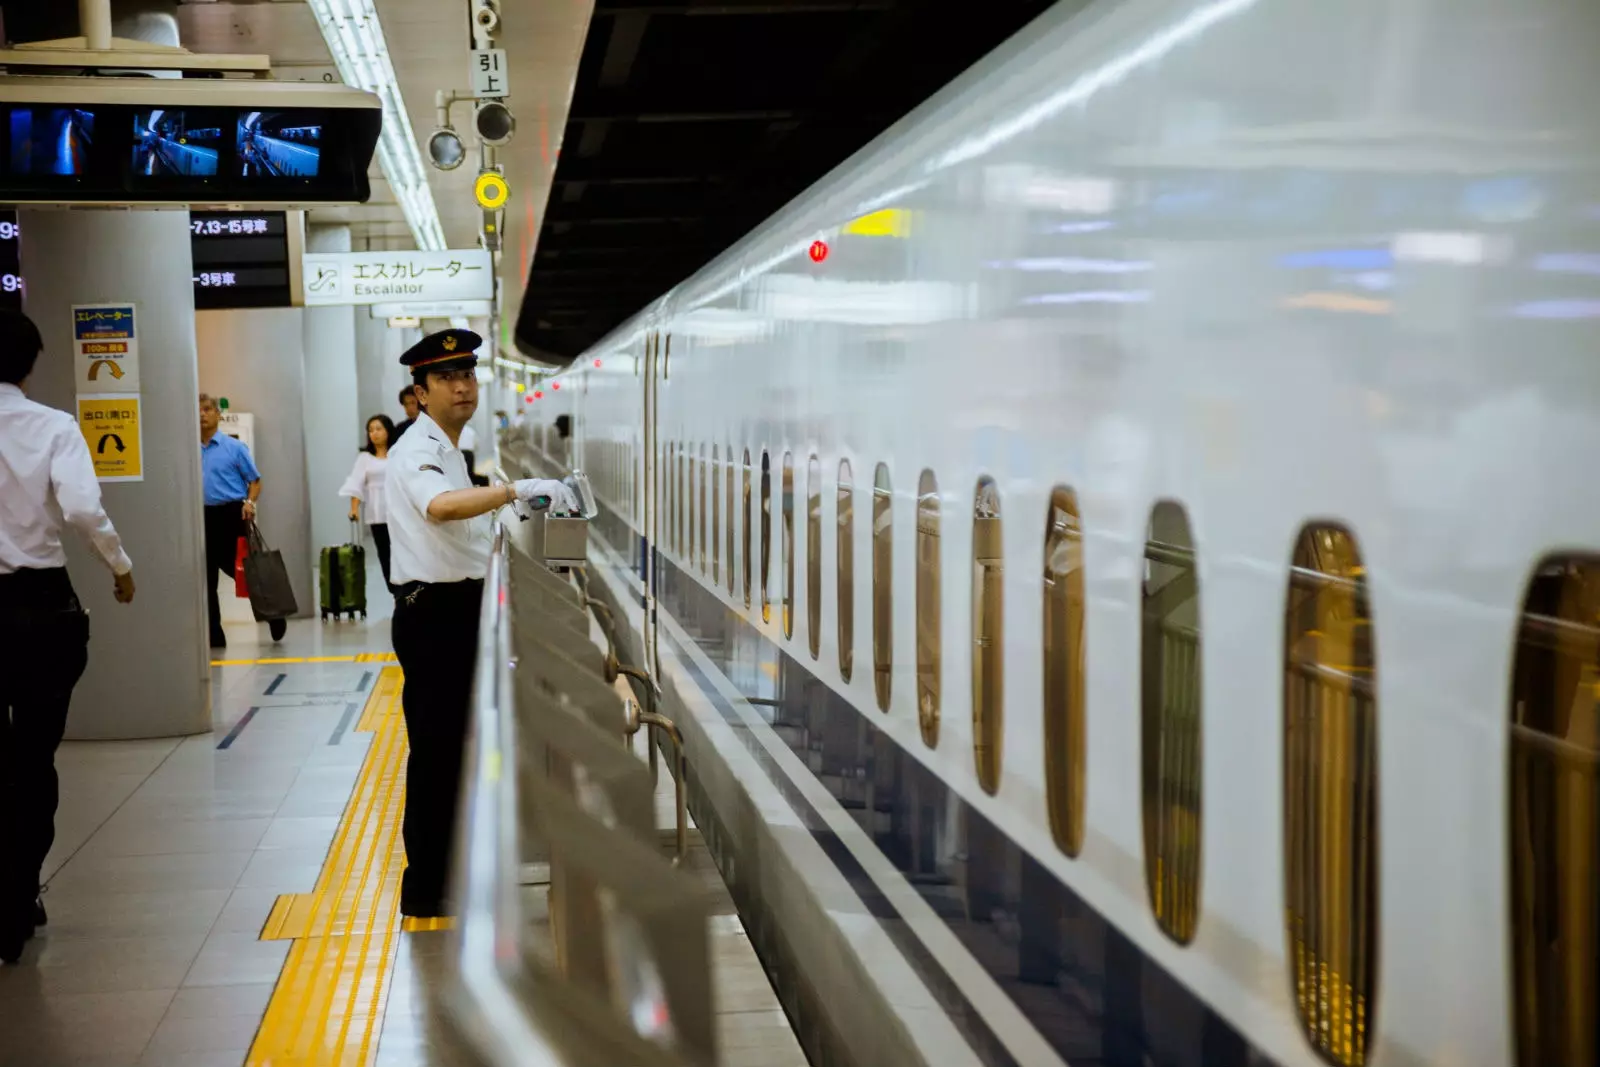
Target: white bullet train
<point>1144,505</point>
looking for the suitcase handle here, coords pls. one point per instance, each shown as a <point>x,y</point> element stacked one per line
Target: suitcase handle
<point>355,531</point>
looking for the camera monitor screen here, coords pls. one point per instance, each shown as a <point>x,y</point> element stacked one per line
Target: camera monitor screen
<point>276,144</point>
<point>51,140</point>
<point>177,143</point>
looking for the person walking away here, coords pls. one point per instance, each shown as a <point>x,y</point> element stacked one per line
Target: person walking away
<point>441,530</point>
<point>231,485</point>
<point>47,481</point>
<point>366,486</point>
<point>408,403</point>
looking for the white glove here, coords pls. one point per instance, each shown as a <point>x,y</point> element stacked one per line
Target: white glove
<point>542,493</point>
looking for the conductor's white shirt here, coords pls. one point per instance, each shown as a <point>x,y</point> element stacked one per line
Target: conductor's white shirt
<point>47,481</point>
<point>421,466</point>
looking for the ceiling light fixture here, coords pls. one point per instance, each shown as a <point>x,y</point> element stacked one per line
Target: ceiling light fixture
<point>355,37</point>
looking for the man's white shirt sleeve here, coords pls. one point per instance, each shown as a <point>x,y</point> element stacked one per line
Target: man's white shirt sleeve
<point>77,492</point>
<point>419,476</point>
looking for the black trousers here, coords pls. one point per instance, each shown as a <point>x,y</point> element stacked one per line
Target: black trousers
<point>224,527</point>
<point>44,647</point>
<point>436,640</point>
<point>380,538</point>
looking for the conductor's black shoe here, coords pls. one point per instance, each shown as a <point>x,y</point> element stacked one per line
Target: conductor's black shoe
<point>14,933</point>
<point>277,628</point>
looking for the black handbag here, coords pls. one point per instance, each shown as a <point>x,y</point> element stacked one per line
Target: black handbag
<point>271,595</point>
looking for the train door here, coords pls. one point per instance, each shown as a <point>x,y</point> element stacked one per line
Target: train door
<point>654,356</point>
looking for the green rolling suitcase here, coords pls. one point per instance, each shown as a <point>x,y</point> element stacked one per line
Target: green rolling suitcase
<point>344,578</point>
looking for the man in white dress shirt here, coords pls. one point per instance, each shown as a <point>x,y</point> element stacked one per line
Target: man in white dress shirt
<point>441,528</point>
<point>47,481</point>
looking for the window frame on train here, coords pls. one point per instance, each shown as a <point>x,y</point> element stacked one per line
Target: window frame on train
<point>928,605</point>
<point>883,586</point>
<point>1064,672</point>
<point>1173,874</point>
<point>1331,811</point>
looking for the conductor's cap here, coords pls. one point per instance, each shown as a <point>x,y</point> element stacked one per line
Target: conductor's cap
<point>445,350</point>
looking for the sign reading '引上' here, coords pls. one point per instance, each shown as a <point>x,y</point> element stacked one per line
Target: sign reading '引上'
<point>397,277</point>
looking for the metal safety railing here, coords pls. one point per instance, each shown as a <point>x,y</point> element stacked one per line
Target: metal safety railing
<point>614,965</point>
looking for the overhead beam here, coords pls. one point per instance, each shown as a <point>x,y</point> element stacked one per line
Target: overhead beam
<point>616,8</point>
<point>712,115</point>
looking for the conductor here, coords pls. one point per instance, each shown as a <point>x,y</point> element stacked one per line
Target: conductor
<point>441,528</point>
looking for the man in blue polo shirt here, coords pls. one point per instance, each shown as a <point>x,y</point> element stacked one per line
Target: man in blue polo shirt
<point>232,484</point>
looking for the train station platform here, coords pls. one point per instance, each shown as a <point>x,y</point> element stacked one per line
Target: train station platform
<point>232,898</point>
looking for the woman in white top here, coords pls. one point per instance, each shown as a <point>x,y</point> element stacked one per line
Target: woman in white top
<point>365,485</point>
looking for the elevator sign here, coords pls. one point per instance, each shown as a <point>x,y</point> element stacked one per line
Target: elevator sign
<point>105,341</point>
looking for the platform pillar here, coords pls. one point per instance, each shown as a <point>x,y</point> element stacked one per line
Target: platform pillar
<point>149,673</point>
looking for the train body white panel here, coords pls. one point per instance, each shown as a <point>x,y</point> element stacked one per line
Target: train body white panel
<point>1280,261</point>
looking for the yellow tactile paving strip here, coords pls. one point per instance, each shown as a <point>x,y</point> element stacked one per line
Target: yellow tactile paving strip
<point>327,1009</point>
<point>365,657</point>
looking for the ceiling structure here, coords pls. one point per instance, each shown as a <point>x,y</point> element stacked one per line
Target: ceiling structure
<point>428,43</point>
<point>694,120</point>
<point>651,134</point>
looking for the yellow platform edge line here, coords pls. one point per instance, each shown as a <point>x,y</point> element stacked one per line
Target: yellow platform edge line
<point>328,1004</point>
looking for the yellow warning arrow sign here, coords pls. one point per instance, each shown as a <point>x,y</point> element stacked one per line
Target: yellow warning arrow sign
<point>94,369</point>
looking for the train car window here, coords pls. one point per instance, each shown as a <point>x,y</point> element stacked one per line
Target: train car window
<point>814,555</point>
<point>731,522</point>
<point>1065,711</point>
<point>988,636</point>
<point>1555,816</point>
<point>928,606</point>
<point>705,530</point>
<point>715,483</point>
<point>882,585</point>
<point>766,536</point>
<point>1330,782</point>
<point>788,544</point>
<point>846,571</point>
<point>746,522</point>
<point>1170,716</point>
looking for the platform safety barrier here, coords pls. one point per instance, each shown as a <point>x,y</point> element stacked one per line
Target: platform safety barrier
<point>553,794</point>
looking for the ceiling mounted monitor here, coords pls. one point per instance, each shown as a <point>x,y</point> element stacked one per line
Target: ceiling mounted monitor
<point>196,142</point>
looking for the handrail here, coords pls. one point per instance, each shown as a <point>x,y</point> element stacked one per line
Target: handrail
<point>483,990</point>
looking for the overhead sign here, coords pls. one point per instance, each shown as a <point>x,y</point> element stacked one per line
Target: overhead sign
<point>491,190</point>
<point>241,259</point>
<point>110,426</point>
<point>105,343</point>
<point>451,309</point>
<point>489,74</point>
<point>10,262</point>
<point>389,277</point>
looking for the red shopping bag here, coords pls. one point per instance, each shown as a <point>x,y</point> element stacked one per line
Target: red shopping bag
<point>239,586</point>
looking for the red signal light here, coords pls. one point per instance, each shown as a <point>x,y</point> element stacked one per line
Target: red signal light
<point>538,394</point>
<point>555,385</point>
<point>528,399</point>
<point>818,251</point>
<point>597,363</point>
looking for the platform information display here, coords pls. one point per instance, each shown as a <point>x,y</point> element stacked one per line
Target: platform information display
<point>397,277</point>
<point>185,155</point>
<point>10,262</point>
<point>241,259</point>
